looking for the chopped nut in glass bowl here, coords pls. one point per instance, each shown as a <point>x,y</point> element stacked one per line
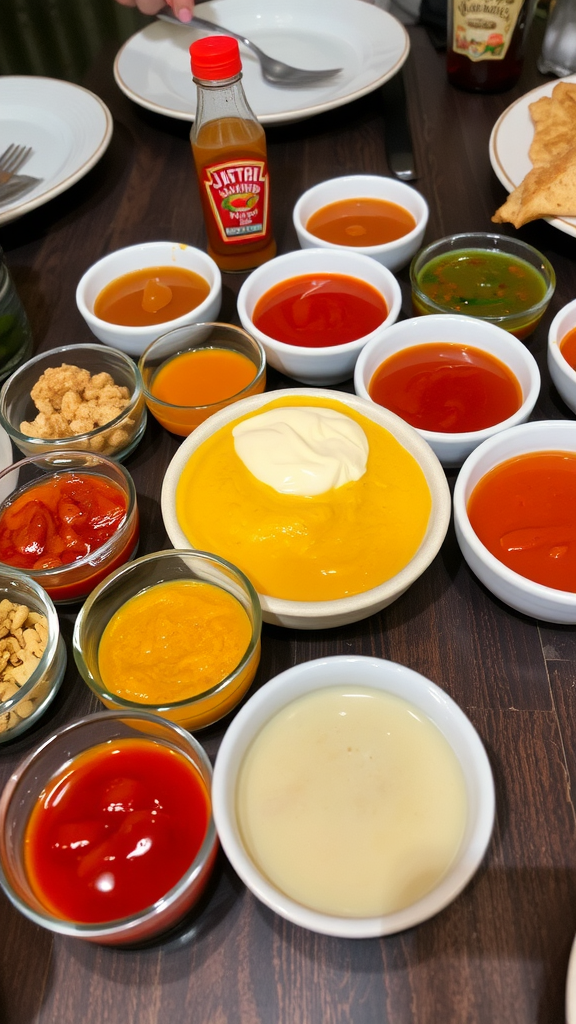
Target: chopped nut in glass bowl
<point>86,397</point>
<point>32,653</point>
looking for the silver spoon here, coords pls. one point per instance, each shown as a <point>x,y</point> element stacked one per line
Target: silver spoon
<point>275,71</point>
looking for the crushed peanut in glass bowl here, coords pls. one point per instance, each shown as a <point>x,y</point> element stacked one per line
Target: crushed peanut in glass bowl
<point>32,653</point>
<point>87,397</point>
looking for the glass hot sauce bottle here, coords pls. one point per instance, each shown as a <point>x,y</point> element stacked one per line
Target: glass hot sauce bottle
<point>229,149</point>
<point>486,43</point>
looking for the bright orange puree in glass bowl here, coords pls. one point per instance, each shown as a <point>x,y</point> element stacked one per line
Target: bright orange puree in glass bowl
<point>114,830</point>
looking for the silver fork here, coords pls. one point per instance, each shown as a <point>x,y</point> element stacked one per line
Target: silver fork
<point>275,71</point>
<point>16,186</point>
<point>11,161</point>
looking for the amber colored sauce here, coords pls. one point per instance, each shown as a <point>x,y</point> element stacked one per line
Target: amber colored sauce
<point>153,295</point>
<point>524,512</point>
<point>446,387</point>
<point>320,310</point>
<point>361,222</point>
<point>230,138</point>
<point>114,830</point>
<point>568,348</point>
<point>202,377</point>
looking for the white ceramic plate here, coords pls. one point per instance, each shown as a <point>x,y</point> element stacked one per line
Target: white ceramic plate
<point>153,67</point>
<point>571,987</point>
<point>68,128</point>
<point>510,141</point>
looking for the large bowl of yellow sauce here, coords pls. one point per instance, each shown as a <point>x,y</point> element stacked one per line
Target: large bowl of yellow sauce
<point>353,796</point>
<point>330,505</point>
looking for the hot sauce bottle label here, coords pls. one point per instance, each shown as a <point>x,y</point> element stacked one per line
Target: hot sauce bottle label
<point>238,193</point>
<point>483,28</point>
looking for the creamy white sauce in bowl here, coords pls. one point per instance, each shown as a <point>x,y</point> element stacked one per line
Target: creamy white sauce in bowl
<point>399,852</point>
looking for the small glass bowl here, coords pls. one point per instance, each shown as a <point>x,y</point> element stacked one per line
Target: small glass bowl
<point>181,419</point>
<point>160,567</point>
<point>520,324</point>
<point>28,704</point>
<point>115,439</point>
<point>71,583</point>
<point>21,794</point>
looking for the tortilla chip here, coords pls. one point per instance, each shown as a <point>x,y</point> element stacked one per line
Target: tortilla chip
<point>549,189</point>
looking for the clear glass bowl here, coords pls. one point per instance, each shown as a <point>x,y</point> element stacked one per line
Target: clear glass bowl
<point>520,324</point>
<point>70,583</point>
<point>207,707</point>
<point>21,794</point>
<point>182,419</point>
<point>115,439</point>
<point>28,704</point>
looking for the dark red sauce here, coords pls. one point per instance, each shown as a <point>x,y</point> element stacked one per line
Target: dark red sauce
<point>446,387</point>
<point>115,830</point>
<point>320,310</point>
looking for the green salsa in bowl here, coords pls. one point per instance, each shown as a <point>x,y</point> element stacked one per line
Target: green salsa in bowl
<point>492,277</point>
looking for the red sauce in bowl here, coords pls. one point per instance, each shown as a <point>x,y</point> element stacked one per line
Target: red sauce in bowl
<point>362,221</point>
<point>320,310</point>
<point>446,387</point>
<point>114,830</point>
<point>524,512</point>
<point>568,348</point>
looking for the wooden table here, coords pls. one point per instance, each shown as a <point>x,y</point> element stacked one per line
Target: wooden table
<point>499,954</point>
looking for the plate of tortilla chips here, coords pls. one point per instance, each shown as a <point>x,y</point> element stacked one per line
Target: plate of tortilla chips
<point>533,153</point>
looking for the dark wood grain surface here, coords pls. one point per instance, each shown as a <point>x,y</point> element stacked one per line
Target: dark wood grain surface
<point>500,952</point>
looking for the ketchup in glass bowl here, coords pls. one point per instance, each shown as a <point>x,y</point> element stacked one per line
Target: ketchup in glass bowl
<point>106,829</point>
<point>67,519</point>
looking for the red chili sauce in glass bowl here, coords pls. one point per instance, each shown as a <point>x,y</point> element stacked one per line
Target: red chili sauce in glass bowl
<point>115,830</point>
<point>68,529</point>
<point>320,310</point>
<point>446,387</point>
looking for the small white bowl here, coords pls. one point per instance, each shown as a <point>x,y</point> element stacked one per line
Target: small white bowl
<point>317,365</point>
<point>520,593</point>
<point>563,376</point>
<point>388,677</point>
<point>136,257</point>
<point>393,255</point>
<point>452,449</point>
<point>326,614</point>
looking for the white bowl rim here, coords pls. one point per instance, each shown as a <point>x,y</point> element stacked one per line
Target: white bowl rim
<point>401,431</point>
<point>472,436</point>
<point>562,598</point>
<point>554,350</point>
<point>329,350</point>
<point>457,876</point>
<point>167,325</point>
<point>369,250</point>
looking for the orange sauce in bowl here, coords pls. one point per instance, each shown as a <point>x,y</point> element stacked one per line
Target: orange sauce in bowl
<point>524,512</point>
<point>361,221</point>
<point>446,387</point>
<point>153,295</point>
<point>568,348</point>
<point>320,310</point>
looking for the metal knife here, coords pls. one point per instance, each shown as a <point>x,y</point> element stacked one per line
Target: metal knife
<point>397,135</point>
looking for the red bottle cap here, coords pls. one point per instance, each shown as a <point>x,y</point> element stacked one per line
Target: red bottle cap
<point>215,58</point>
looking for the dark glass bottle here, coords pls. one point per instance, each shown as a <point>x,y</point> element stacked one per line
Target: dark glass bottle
<point>486,42</point>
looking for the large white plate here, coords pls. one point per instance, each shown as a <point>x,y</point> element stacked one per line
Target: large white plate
<point>153,67</point>
<point>510,141</point>
<point>68,128</point>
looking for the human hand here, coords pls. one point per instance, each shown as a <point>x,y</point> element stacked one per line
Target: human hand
<point>182,8</point>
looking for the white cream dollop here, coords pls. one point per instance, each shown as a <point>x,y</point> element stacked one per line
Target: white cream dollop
<point>302,450</point>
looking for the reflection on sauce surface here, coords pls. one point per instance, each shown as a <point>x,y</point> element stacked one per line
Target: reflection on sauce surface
<point>345,541</point>
<point>362,222</point>
<point>115,830</point>
<point>446,387</point>
<point>351,801</point>
<point>320,310</point>
<point>524,512</point>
